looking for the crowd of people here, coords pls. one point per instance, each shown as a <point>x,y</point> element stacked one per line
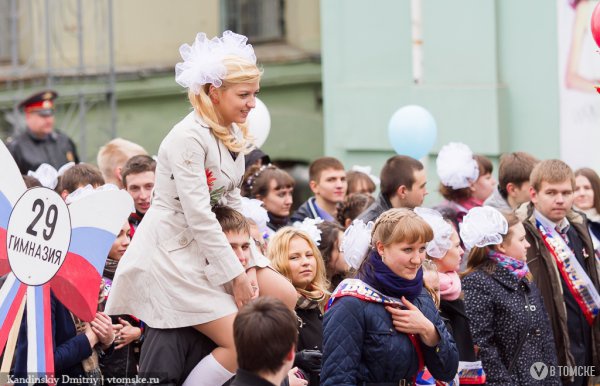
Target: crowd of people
<point>216,280</point>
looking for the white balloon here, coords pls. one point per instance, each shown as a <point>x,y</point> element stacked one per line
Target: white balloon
<point>259,123</point>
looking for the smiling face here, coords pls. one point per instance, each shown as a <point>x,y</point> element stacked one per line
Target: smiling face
<point>302,263</point>
<point>554,200</point>
<point>584,194</point>
<point>234,102</point>
<point>278,201</point>
<point>402,258</point>
<point>119,246</point>
<point>140,186</point>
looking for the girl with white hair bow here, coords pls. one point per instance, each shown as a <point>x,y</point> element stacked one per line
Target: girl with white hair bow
<point>180,270</point>
<point>446,253</point>
<point>506,312</point>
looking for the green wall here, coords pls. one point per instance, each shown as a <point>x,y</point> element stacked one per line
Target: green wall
<point>490,77</point>
<point>148,105</point>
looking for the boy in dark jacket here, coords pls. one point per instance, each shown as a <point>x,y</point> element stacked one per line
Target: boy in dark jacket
<point>265,334</point>
<point>328,184</point>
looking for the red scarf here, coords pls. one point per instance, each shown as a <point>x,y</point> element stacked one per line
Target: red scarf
<point>575,277</point>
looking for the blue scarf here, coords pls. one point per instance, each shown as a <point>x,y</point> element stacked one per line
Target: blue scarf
<point>378,275</point>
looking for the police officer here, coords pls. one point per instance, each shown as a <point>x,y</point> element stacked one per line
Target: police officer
<point>40,143</point>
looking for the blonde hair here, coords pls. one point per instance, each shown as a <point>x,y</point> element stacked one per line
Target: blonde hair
<point>430,267</point>
<point>239,71</point>
<point>400,225</point>
<point>279,253</point>
<point>115,154</point>
<point>553,171</point>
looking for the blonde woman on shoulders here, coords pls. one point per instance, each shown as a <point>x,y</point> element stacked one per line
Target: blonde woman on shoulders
<point>180,270</point>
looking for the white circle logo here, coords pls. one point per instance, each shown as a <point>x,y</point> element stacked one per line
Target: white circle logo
<point>538,371</point>
<point>38,236</point>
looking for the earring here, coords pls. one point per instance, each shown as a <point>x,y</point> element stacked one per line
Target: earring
<point>383,258</point>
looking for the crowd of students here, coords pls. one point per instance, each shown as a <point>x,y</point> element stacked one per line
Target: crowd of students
<point>216,280</point>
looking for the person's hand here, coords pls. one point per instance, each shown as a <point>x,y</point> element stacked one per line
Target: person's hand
<point>102,327</point>
<point>92,338</point>
<point>410,320</point>
<point>242,290</point>
<point>253,281</point>
<point>294,380</point>
<point>126,334</point>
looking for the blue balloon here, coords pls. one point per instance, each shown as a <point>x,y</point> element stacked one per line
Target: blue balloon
<point>412,131</point>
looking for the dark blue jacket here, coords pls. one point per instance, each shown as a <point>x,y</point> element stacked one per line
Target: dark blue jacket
<point>361,345</point>
<point>69,348</point>
<point>308,209</point>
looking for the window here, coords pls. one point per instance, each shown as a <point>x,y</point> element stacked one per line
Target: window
<point>260,20</point>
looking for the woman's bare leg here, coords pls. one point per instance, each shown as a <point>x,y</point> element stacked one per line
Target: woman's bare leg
<point>220,365</point>
<point>220,331</point>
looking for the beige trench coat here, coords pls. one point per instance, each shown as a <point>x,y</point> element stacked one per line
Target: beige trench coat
<point>176,269</point>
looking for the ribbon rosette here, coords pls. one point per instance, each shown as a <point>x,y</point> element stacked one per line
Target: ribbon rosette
<point>47,246</point>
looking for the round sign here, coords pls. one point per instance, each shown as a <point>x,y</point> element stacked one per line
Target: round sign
<point>38,236</point>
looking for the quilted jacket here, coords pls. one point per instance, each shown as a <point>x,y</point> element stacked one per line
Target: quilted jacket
<point>361,345</point>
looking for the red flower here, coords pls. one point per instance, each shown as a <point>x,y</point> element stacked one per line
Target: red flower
<point>210,179</point>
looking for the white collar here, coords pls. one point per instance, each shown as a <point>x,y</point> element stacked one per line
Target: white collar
<point>563,225</point>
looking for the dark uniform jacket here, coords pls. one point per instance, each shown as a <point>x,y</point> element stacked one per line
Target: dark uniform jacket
<point>30,152</point>
<point>564,316</point>
<point>246,378</point>
<point>376,209</point>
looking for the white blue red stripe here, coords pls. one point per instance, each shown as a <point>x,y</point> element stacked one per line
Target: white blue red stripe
<point>93,244</point>
<point>40,355</point>
<point>11,296</point>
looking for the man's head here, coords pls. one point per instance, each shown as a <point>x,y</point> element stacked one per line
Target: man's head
<point>79,176</point>
<point>514,171</point>
<point>403,182</point>
<point>237,230</point>
<point>39,113</point>
<point>138,179</point>
<point>265,333</point>
<point>328,179</point>
<point>113,156</point>
<point>551,191</point>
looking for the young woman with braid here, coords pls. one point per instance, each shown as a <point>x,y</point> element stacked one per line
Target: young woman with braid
<point>382,327</point>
